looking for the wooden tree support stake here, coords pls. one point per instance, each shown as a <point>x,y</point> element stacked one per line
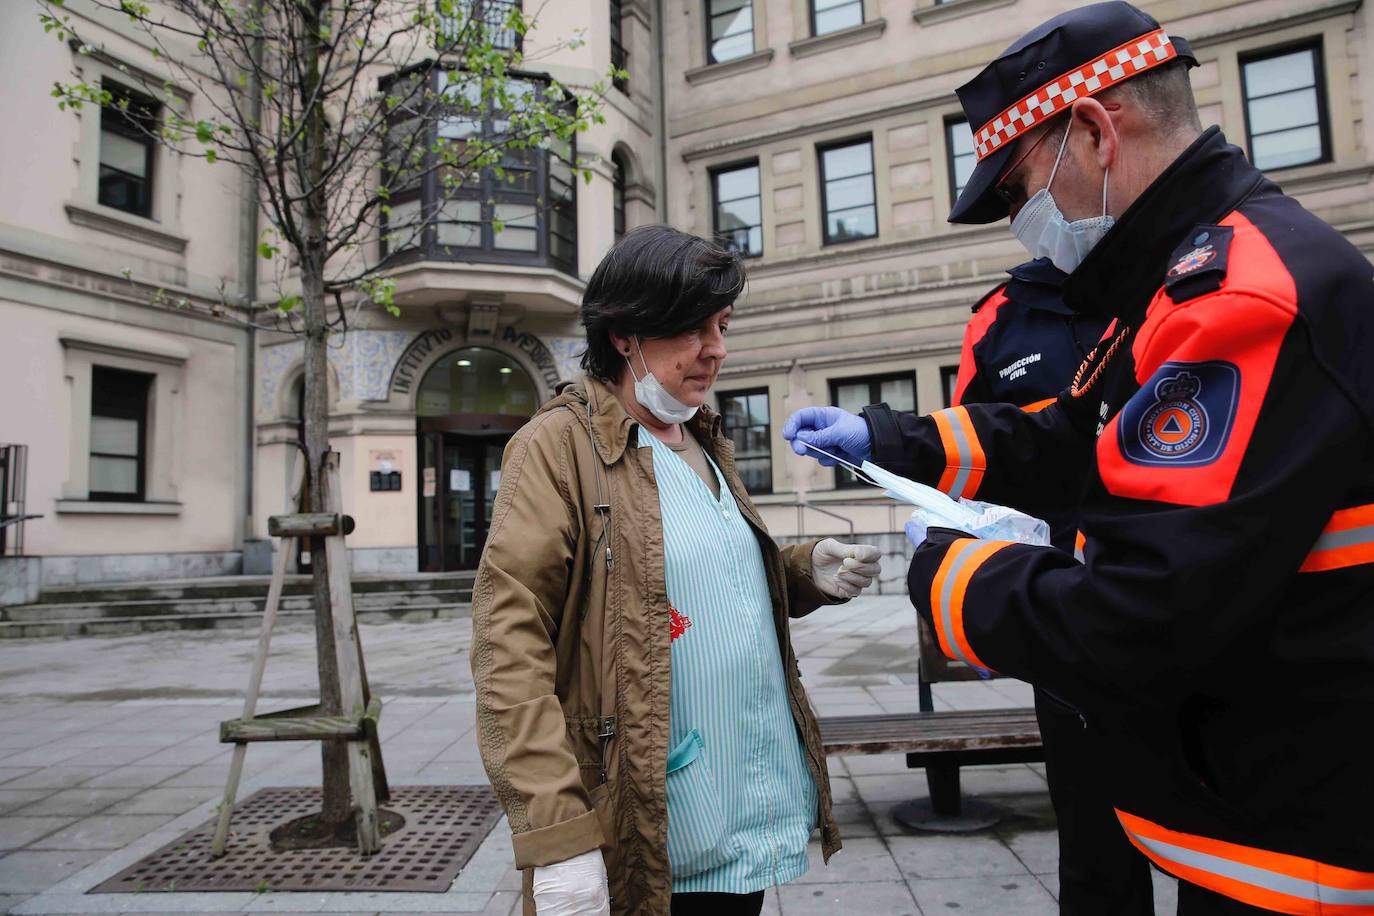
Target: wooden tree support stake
<point>358,726</point>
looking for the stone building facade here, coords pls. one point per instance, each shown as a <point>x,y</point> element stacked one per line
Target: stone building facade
<point>822,137</point>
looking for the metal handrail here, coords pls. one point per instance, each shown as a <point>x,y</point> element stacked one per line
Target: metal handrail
<point>801,517</point>
<point>14,468</point>
<point>802,505</point>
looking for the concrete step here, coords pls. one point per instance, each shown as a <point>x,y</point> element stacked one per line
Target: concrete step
<point>252,586</point>
<point>104,608</point>
<point>162,607</point>
<point>124,626</point>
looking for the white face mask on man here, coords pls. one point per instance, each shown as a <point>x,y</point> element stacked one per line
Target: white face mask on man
<point>1041,227</point>
<point>653,397</point>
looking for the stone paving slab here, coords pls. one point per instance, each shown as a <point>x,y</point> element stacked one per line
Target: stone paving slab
<point>985,896</point>
<point>145,765</point>
<point>890,898</point>
<point>22,832</point>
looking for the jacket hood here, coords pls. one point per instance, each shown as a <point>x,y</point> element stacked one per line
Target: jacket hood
<point>612,424</point>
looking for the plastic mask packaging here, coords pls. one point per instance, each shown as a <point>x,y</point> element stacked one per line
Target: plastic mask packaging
<point>936,509</point>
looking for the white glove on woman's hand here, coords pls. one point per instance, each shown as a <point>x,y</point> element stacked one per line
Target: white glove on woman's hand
<point>844,570</point>
<point>573,887</point>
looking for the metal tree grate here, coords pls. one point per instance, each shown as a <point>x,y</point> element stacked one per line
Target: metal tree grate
<point>444,825</point>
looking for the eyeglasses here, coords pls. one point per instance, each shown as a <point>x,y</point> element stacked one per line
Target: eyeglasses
<point>1000,187</point>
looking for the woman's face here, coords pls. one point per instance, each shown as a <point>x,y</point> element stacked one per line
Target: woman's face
<point>686,365</point>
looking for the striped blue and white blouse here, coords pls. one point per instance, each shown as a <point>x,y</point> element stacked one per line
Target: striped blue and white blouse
<point>741,799</point>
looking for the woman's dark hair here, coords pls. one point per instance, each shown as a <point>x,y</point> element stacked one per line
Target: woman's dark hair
<point>655,282</point>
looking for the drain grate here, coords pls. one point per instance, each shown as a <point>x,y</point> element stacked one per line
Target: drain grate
<point>444,825</point>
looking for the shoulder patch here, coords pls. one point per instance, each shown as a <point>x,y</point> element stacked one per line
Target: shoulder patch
<point>1198,265</point>
<point>1182,416</point>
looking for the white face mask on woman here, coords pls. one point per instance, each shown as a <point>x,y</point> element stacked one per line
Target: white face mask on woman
<point>653,397</point>
<point>1041,227</point>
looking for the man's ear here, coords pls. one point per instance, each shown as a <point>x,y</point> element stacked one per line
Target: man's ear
<point>1094,122</point>
<point>621,344</point>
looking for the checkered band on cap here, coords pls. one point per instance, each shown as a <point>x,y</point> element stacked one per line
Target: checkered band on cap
<point>1119,64</point>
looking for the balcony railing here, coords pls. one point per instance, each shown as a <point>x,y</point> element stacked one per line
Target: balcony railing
<point>491,17</point>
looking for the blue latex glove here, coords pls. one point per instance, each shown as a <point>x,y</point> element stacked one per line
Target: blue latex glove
<point>916,531</point>
<point>837,431</point>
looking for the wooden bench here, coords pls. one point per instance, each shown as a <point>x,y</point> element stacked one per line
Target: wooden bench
<point>940,742</point>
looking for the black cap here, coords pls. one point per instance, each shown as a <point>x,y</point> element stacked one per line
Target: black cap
<point>1069,57</point>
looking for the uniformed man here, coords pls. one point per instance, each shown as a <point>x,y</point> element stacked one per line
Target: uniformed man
<point>1219,634</point>
<point>1022,347</point>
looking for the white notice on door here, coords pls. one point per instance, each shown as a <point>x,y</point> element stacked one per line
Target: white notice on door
<point>459,479</point>
<point>494,480</point>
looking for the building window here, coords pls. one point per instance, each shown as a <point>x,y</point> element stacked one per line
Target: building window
<point>962,159</point>
<point>897,390</point>
<point>618,193</point>
<point>949,379</point>
<point>729,29</point>
<point>738,209</point>
<point>847,192</point>
<point>620,59</point>
<point>119,426</point>
<point>833,15</point>
<point>532,199</point>
<point>128,125</point>
<point>744,418</point>
<point>1285,107</point>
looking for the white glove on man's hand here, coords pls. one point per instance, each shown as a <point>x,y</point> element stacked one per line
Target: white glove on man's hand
<point>844,570</point>
<point>573,887</point>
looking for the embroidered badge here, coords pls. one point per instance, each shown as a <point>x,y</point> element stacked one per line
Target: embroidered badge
<point>1182,415</point>
<point>678,623</point>
<point>1198,266</point>
<point>1196,259</point>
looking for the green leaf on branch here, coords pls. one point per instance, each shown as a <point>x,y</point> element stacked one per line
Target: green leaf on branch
<point>382,291</point>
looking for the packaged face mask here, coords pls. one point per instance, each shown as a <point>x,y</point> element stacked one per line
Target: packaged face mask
<point>939,510</point>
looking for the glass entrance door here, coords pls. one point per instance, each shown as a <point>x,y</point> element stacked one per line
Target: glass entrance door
<point>468,404</point>
<point>459,476</point>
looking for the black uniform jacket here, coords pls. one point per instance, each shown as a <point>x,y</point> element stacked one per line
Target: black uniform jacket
<point>1022,347</point>
<point>1023,343</point>
<point>1220,445</point>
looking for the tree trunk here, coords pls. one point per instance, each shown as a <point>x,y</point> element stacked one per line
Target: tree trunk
<point>337,805</point>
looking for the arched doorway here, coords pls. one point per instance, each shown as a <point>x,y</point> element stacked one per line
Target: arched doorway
<point>467,406</point>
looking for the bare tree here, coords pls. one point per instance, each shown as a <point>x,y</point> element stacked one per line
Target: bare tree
<point>336,110</point>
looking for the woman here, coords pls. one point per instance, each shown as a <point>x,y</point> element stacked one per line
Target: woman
<point>640,712</point>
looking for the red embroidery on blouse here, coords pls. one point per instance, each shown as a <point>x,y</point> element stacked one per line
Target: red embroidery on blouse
<point>678,623</point>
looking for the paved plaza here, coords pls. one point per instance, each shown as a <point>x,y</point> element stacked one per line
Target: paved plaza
<point>109,750</point>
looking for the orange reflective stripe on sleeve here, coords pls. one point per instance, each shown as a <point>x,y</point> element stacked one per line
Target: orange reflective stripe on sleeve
<point>1347,540</point>
<point>1039,405</point>
<point>949,589</point>
<point>1079,541</point>
<point>942,423</point>
<point>964,458</point>
<point>1271,880</point>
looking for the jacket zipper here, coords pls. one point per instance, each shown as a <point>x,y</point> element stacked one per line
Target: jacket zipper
<point>1082,716</point>
<point>606,734</point>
